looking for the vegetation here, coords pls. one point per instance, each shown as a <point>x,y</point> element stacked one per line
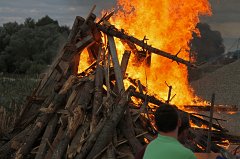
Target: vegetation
<point>14,91</point>
<point>30,47</point>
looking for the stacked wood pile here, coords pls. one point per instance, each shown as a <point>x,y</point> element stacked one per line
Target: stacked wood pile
<point>92,115</point>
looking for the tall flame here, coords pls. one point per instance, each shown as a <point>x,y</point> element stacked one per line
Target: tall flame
<point>168,24</point>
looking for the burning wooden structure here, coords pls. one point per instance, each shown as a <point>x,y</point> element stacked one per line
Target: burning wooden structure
<point>91,114</point>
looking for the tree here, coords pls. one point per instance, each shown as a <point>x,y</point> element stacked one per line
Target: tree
<point>30,47</point>
<point>6,32</point>
<point>29,22</point>
<point>45,21</point>
<point>208,45</point>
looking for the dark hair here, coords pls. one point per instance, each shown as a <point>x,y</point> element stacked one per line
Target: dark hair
<point>166,118</point>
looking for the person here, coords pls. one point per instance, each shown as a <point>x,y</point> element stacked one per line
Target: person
<point>166,145</point>
<point>183,133</point>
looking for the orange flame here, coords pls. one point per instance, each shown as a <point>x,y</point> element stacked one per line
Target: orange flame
<point>168,24</point>
<point>83,61</point>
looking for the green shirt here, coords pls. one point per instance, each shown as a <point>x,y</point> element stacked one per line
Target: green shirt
<point>165,147</point>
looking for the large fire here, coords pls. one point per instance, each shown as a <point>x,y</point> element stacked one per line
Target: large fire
<point>168,24</point>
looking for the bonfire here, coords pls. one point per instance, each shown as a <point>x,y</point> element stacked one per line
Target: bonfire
<point>98,98</point>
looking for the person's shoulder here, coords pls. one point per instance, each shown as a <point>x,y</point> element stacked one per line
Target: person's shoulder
<point>188,153</point>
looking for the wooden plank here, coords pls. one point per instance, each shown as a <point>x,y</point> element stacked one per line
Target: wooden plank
<point>97,99</point>
<point>210,125</point>
<point>124,62</point>
<point>117,68</point>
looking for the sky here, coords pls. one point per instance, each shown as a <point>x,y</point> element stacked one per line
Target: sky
<point>225,18</point>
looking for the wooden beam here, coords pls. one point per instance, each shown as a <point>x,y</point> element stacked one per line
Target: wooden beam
<point>112,31</point>
<point>124,62</point>
<point>210,125</point>
<point>116,65</point>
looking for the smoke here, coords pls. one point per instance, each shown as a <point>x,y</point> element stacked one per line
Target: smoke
<point>208,45</point>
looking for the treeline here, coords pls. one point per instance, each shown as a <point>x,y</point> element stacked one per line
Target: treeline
<point>30,47</point>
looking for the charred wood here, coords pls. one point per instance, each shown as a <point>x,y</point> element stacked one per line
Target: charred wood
<point>47,137</point>
<point>120,34</point>
<point>106,134</point>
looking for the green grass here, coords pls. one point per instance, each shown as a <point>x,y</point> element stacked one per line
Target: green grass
<point>13,92</point>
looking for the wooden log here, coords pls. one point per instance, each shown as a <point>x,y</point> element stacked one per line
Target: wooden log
<point>196,119</point>
<point>8,149</point>
<point>47,137</point>
<point>76,93</point>
<point>126,126</point>
<point>202,115</point>
<point>124,62</point>
<point>77,140</point>
<point>119,144</point>
<point>210,125</point>
<point>106,17</point>
<point>112,31</point>
<point>117,68</point>
<point>42,120</point>
<point>130,46</point>
<point>56,141</point>
<point>97,99</point>
<point>218,108</point>
<point>148,59</point>
<point>111,154</point>
<point>140,86</point>
<point>151,99</point>
<point>169,94</point>
<point>106,66</point>
<point>105,136</point>
<point>135,83</point>
<point>74,121</point>
<point>91,140</point>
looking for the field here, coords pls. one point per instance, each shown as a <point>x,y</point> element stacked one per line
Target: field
<point>13,92</point>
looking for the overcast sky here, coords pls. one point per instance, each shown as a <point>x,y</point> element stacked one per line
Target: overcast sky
<point>226,13</point>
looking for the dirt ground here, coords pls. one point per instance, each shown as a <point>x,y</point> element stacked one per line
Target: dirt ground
<point>225,83</point>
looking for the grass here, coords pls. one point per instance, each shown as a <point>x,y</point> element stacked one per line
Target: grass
<point>13,92</point>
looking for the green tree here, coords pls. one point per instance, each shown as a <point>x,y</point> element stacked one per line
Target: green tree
<point>30,47</point>
<point>29,22</point>
<point>45,21</point>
